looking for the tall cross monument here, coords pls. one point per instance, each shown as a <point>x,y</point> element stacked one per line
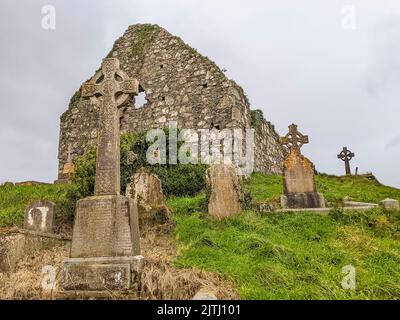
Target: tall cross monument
<point>105,242</point>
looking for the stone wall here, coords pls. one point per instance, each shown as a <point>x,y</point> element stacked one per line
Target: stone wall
<point>180,85</point>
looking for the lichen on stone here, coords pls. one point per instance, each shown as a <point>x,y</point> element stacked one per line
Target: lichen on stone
<point>144,36</point>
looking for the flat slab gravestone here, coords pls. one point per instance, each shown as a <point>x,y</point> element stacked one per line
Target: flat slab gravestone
<point>39,216</point>
<point>299,175</point>
<point>226,194</point>
<point>106,225</point>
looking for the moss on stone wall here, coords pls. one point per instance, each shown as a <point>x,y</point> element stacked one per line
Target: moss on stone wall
<point>144,36</point>
<point>257,117</point>
<point>183,46</point>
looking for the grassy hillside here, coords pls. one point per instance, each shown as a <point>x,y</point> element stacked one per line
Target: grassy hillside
<point>14,199</point>
<point>274,256</point>
<point>365,188</point>
<point>297,256</point>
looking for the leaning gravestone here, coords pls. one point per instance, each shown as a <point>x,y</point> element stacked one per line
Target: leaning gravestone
<point>299,175</point>
<point>39,216</point>
<point>105,241</point>
<point>146,192</point>
<point>226,193</point>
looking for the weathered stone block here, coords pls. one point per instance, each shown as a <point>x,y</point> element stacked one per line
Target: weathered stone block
<point>39,216</point>
<point>146,192</point>
<point>105,226</point>
<point>205,294</point>
<point>14,246</point>
<point>11,251</point>
<point>391,204</point>
<point>226,193</point>
<point>105,273</point>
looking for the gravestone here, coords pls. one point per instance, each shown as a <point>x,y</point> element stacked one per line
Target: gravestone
<point>39,216</point>
<point>346,155</point>
<point>226,193</point>
<point>105,240</point>
<point>146,191</point>
<point>391,204</point>
<point>299,175</point>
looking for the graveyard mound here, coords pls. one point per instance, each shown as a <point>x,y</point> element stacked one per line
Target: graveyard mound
<point>252,256</point>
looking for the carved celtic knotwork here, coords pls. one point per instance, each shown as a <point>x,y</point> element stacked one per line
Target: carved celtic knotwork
<point>294,140</point>
<point>105,84</point>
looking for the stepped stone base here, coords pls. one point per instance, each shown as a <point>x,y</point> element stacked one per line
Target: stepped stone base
<point>303,200</point>
<point>105,250</point>
<point>101,274</point>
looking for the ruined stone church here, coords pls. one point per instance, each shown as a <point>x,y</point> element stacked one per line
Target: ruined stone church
<point>178,84</point>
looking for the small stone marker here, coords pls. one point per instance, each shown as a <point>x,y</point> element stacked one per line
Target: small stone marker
<point>391,204</point>
<point>205,294</point>
<point>346,155</point>
<point>299,175</point>
<point>146,191</point>
<point>226,194</point>
<point>39,216</point>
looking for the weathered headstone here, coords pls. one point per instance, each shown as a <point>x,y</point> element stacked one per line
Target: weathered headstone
<point>146,191</point>
<point>346,155</point>
<point>105,237</point>
<point>226,193</point>
<point>391,204</point>
<point>299,175</point>
<point>39,216</point>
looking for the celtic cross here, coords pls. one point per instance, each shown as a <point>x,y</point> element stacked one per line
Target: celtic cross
<point>346,155</point>
<point>294,140</point>
<point>112,87</point>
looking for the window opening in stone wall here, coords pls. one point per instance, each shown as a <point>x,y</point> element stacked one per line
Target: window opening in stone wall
<point>141,99</point>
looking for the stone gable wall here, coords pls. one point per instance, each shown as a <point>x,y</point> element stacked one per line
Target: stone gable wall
<point>180,85</point>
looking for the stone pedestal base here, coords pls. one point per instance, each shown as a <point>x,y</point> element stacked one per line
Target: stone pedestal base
<point>105,226</point>
<point>303,200</point>
<point>99,274</point>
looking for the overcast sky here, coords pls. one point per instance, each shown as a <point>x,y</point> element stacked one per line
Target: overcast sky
<point>299,61</point>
